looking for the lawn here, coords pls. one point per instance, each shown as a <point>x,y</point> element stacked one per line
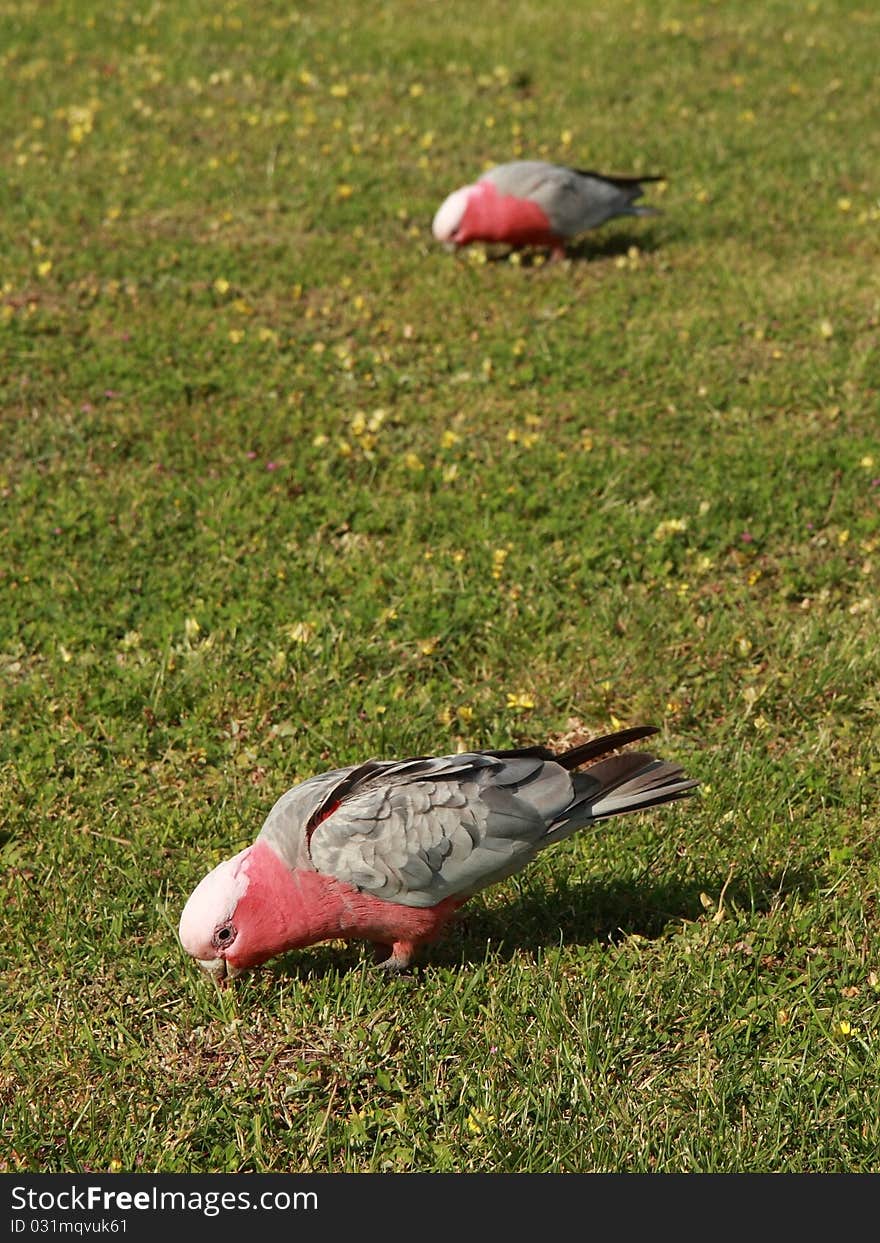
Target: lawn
<point>284,485</point>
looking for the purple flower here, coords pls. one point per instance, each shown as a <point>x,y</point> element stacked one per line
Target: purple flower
<point>272,465</point>
<point>747,537</point>
<point>250,455</point>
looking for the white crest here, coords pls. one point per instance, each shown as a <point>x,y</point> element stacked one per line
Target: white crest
<point>449,214</point>
<point>212,903</point>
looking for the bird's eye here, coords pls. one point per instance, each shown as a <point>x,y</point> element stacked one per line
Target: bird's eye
<point>223,937</point>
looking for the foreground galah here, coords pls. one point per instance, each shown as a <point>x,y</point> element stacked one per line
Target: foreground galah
<point>387,851</point>
<point>532,203</point>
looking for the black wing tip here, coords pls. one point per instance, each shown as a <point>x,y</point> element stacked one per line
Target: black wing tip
<point>584,751</point>
<point>620,181</point>
<point>597,747</point>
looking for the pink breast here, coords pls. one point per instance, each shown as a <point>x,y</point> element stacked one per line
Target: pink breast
<point>494,217</point>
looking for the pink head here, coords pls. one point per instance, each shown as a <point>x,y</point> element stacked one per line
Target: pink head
<point>241,913</point>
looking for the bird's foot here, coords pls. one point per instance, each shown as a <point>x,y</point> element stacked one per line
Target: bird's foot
<point>392,966</point>
<point>396,960</point>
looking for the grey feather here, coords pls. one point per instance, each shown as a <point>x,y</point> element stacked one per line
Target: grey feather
<point>284,826</point>
<point>573,200</point>
<point>418,831</point>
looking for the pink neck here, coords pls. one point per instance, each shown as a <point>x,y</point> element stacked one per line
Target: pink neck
<point>282,909</point>
<point>494,217</point>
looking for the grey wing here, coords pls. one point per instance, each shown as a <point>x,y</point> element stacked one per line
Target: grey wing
<point>522,178</point>
<point>573,201</point>
<point>286,826</point>
<point>453,827</point>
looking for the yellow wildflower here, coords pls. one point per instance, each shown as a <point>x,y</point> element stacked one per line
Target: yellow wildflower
<point>300,632</point>
<point>670,526</point>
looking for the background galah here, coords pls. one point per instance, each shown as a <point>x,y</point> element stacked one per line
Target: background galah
<point>387,851</point>
<point>532,203</point>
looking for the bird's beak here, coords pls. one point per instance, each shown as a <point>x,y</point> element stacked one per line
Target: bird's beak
<point>219,969</point>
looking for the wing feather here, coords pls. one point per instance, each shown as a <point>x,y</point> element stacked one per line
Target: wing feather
<point>434,838</point>
<point>418,831</point>
<point>573,200</point>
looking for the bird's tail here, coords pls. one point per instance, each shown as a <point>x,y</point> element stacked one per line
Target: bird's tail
<point>617,785</point>
<point>630,783</point>
<point>631,189</point>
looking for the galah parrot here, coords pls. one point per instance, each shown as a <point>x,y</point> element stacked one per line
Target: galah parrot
<point>387,851</point>
<point>533,203</point>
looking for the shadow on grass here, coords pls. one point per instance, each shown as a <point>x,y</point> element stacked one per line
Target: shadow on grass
<point>591,248</point>
<point>593,913</point>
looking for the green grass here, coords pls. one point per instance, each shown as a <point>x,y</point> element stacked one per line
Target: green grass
<point>641,485</point>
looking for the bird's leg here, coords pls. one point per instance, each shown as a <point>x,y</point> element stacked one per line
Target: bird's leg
<point>557,252</point>
<point>395,960</point>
